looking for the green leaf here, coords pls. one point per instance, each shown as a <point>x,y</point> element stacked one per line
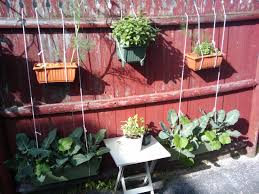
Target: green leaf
<point>233,133</point>
<point>75,150</point>
<point>65,144</point>
<point>184,120</point>
<point>232,117</point>
<point>41,178</point>
<point>187,153</point>
<point>211,135</point>
<point>80,158</point>
<point>180,142</point>
<point>163,126</point>
<point>163,135</point>
<point>215,145</point>
<point>203,120</point>
<point>76,134</point>
<point>49,139</point>
<point>39,153</point>
<point>60,162</point>
<point>172,117</point>
<point>224,138</point>
<point>221,116</point>
<point>22,142</point>
<point>187,130</point>
<point>41,169</point>
<point>102,150</point>
<point>214,125</point>
<point>100,135</point>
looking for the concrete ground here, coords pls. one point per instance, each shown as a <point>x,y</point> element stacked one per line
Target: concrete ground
<point>226,176</point>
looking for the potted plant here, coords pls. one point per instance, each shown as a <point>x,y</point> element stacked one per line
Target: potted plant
<point>190,137</point>
<point>133,130</point>
<point>204,56</point>
<point>146,137</point>
<point>59,71</point>
<point>132,35</point>
<point>57,159</point>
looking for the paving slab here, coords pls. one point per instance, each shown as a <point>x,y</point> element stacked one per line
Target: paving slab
<point>226,177</point>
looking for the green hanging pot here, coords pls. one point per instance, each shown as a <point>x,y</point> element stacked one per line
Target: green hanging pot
<point>133,54</point>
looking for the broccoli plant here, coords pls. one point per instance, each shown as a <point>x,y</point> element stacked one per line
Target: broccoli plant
<point>185,136</point>
<point>205,48</point>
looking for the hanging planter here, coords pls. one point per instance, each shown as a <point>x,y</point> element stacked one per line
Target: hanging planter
<point>204,56</point>
<point>132,35</point>
<point>55,72</point>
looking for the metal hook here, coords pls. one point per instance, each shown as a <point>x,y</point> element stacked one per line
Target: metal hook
<point>34,4</point>
<point>60,4</point>
<point>21,4</point>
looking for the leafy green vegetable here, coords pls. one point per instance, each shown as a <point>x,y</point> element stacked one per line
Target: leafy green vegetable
<point>65,144</point>
<point>134,31</point>
<point>205,48</point>
<point>211,130</point>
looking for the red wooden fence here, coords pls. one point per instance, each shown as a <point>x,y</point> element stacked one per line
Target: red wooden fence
<point>111,93</point>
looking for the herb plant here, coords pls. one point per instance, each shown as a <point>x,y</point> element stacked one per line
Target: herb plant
<point>212,130</point>
<point>134,31</point>
<point>205,48</point>
<point>54,153</point>
<point>134,127</point>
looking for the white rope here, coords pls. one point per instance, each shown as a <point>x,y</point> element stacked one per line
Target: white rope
<point>97,4</point>
<point>121,11</point>
<point>213,34</point>
<point>36,133</point>
<point>109,4</point>
<point>184,52</point>
<point>64,42</point>
<point>199,34</point>
<point>80,86</point>
<point>132,8</point>
<point>41,48</point>
<point>221,49</point>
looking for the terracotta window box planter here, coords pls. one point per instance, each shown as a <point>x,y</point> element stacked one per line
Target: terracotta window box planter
<point>193,61</point>
<point>55,72</point>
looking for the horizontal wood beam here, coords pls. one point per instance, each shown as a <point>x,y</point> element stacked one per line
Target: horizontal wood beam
<point>105,23</point>
<point>114,103</point>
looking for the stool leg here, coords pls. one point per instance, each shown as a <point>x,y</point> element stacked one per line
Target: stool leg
<point>118,178</point>
<point>152,167</point>
<point>149,177</point>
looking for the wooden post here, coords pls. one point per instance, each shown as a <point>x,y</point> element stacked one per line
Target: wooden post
<point>253,131</point>
<point>6,181</point>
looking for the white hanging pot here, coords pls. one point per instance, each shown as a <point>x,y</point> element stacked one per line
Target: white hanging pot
<point>131,145</point>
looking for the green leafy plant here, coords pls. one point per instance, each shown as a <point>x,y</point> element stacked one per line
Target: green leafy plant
<point>100,185</point>
<point>32,163</point>
<point>83,45</point>
<point>205,48</point>
<point>134,127</point>
<point>134,31</point>
<point>186,136</point>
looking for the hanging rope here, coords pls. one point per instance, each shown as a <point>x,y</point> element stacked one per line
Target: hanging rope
<point>36,133</point>
<point>199,33</point>
<point>97,4</point>
<point>121,11</point>
<point>64,41</point>
<point>213,34</point>
<point>80,83</point>
<point>41,48</point>
<point>132,8</point>
<point>221,49</point>
<point>184,52</point>
<point>109,4</point>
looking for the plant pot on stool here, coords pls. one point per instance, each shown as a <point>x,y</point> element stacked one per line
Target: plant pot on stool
<point>133,130</point>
